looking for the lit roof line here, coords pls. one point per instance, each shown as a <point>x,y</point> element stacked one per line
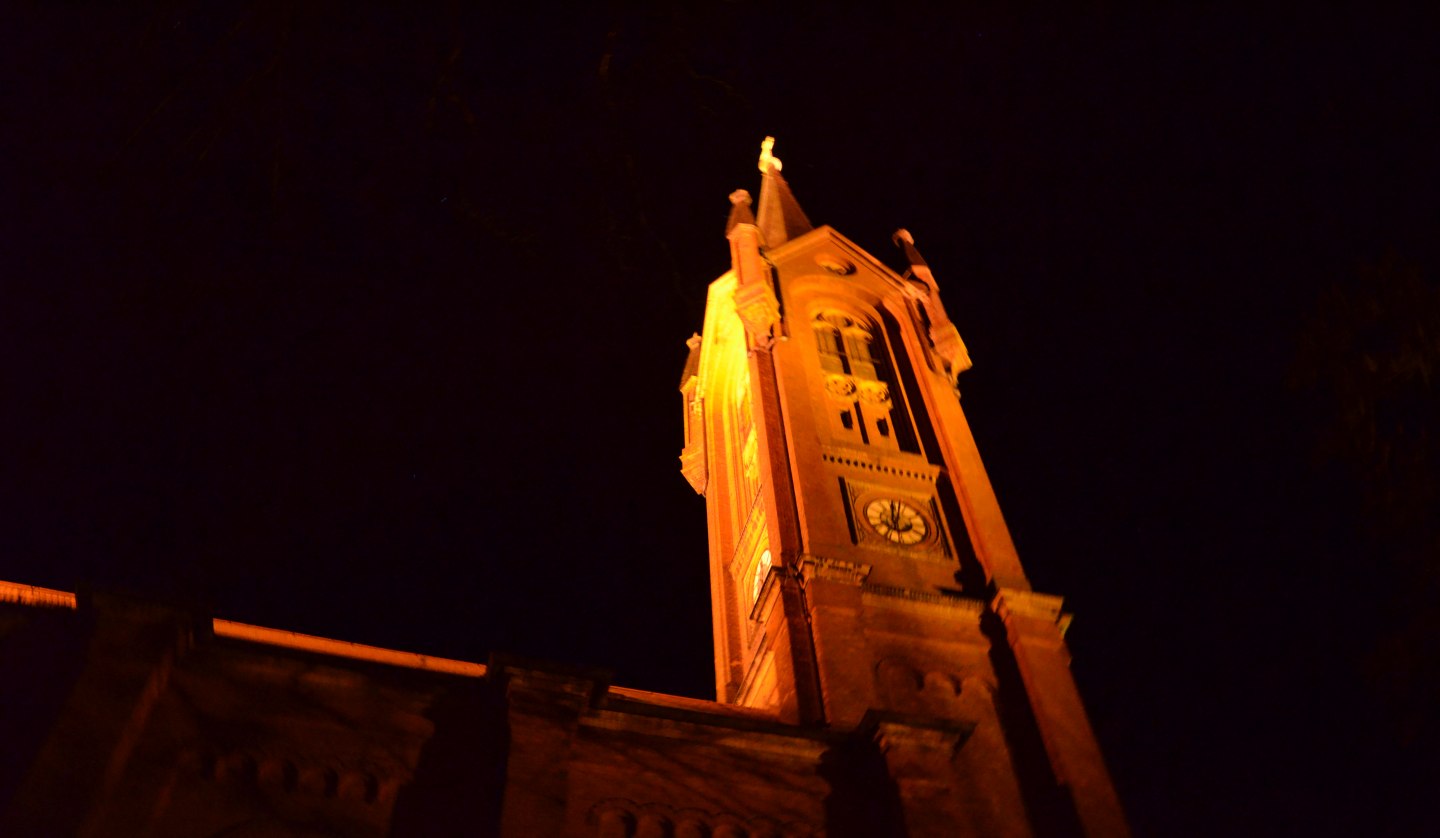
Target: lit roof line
<point>34,595</point>
<point>345,649</point>
<point>48,597</point>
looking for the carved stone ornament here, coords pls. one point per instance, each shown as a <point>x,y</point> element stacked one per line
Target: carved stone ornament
<point>875,392</point>
<point>759,310</point>
<point>840,387</point>
<point>818,567</point>
<point>692,467</point>
<point>692,456</point>
<point>945,339</point>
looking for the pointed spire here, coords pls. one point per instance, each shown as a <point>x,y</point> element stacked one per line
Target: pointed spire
<point>755,300</point>
<point>779,215</point>
<point>944,337</point>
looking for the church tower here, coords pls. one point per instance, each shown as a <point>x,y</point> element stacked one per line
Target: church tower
<point>862,575</point>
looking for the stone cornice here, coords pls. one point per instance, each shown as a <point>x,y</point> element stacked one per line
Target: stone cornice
<point>889,730</point>
<point>929,597</point>
<point>1013,602</point>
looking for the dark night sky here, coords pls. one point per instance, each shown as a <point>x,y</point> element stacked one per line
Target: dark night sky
<point>367,323</point>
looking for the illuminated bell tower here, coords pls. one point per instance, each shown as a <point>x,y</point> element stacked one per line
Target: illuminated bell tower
<point>862,576</point>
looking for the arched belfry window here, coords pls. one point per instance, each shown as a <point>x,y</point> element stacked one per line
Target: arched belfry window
<point>865,404</point>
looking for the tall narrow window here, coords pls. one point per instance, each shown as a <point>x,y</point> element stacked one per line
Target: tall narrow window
<point>749,444</point>
<point>830,330</point>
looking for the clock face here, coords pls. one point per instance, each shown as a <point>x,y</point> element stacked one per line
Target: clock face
<point>897,521</point>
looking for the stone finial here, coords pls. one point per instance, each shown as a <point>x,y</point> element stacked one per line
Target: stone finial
<point>906,243</point>
<point>768,161</point>
<point>739,211</point>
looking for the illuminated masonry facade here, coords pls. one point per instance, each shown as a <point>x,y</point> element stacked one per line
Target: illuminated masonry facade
<point>881,664</point>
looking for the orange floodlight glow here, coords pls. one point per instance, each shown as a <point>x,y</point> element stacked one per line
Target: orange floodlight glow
<point>33,595</point>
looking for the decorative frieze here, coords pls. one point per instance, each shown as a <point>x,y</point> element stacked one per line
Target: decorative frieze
<point>291,774</point>
<point>621,818</point>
